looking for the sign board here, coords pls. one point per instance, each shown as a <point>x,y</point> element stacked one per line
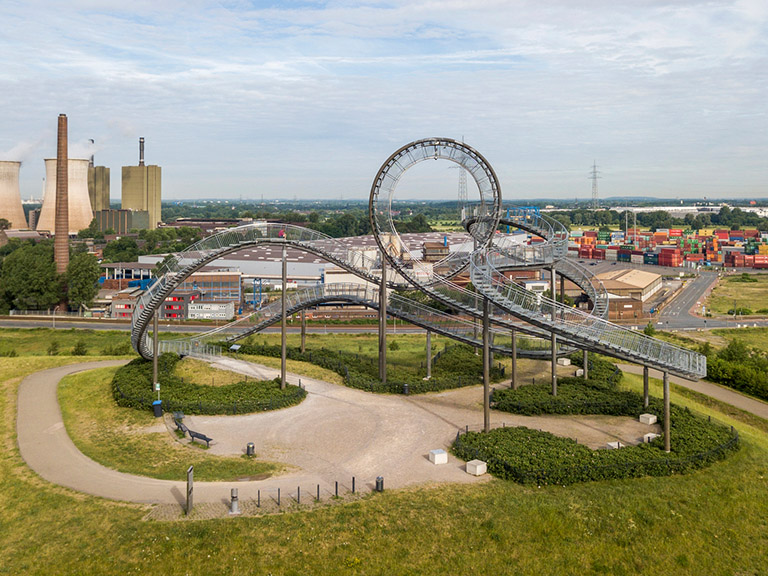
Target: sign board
<point>157,386</point>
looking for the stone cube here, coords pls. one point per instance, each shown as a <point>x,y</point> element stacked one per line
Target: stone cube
<point>438,457</point>
<point>614,445</point>
<point>564,361</point>
<point>476,467</point>
<point>648,419</point>
<point>648,438</point>
<point>579,372</point>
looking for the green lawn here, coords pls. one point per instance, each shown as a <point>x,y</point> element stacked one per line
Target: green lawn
<point>714,521</point>
<point>752,295</point>
<point>119,437</point>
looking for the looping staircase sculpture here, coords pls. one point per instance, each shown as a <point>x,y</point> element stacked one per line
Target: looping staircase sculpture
<point>489,262</point>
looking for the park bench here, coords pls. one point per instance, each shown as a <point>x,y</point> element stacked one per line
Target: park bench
<point>197,435</point>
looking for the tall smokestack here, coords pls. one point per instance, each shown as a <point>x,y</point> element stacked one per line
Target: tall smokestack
<point>91,161</point>
<point>141,151</point>
<point>61,225</point>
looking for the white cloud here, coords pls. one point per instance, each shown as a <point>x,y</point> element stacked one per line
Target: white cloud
<point>303,100</point>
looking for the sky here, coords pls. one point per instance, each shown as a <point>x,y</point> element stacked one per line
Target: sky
<point>307,99</point>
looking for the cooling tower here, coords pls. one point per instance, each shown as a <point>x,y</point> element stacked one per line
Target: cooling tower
<point>10,197</point>
<point>80,213</point>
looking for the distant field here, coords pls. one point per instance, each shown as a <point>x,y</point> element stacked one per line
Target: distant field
<point>729,291</point>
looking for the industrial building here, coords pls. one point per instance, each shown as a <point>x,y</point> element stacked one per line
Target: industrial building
<point>122,221</point>
<point>10,196</point>
<point>632,283</point>
<point>80,213</point>
<point>142,188</point>
<point>98,187</point>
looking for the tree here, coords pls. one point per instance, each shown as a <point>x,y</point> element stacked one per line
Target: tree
<point>91,232</point>
<point>29,280</point>
<point>4,224</point>
<point>649,329</point>
<point>122,250</point>
<point>82,280</point>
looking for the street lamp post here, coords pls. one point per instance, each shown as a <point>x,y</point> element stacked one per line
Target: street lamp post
<point>54,316</point>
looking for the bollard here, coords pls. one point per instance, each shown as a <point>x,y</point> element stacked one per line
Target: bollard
<point>234,507</point>
<point>380,484</point>
<point>258,499</point>
<point>298,495</point>
<point>337,488</point>
<point>250,449</point>
<point>353,484</point>
<point>318,493</point>
<point>278,496</point>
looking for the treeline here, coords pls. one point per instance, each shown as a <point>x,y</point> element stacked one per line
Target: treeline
<point>739,367</point>
<point>732,219</point>
<point>29,281</point>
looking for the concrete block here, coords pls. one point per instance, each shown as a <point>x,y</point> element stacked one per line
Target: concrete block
<point>648,419</point>
<point>564,361</point>
<point>476,467</point>
<point>615,445</point>
<point>580,373</point>
<point>648,438</point>
<point>438,457</point>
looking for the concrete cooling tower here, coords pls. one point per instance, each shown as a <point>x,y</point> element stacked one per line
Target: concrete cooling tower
<point>10,196</point>
<point>80,213</point>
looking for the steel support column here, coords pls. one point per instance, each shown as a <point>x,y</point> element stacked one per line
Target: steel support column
<point>429,354</point>
<point>667,440</point>
<point>303,330</point>
<point>486,367</point>
<point>283,323</point>
<point>645,386</point>
<point>514,359</point>
<point>553,283</point>
<point>155,346</point>
<point>383,321</point>
<point>585,361</point>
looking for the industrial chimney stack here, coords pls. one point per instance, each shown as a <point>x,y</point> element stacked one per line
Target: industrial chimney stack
<point>141,151</point>
<point>61,225</point>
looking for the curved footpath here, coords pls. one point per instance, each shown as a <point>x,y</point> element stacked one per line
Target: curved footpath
<point>336,433</point>
<point>732,397</point>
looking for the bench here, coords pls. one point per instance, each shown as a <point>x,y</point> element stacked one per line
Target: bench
<point>198,436</point>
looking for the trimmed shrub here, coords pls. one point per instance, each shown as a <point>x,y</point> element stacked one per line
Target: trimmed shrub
<point>533,457</point>
<point>456,367</point>
<point>132,387</point>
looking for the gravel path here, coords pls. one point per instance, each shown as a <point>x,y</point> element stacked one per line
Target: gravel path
<point>335,434</point>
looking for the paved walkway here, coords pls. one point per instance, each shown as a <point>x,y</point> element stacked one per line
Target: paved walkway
<point>732,397</point>
<point>336,433</point>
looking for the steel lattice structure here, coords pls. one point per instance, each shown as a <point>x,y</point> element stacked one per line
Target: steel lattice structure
<point>510,307</point>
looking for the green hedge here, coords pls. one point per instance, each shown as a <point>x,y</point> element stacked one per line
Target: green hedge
<point>455,367</point>
<point>533,457</point>
<point>132,388</point>
<point>574,396</point>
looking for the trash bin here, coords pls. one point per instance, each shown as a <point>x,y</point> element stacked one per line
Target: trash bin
<point>380,484</point>
<point>157,408</point>
<point>250,449</point>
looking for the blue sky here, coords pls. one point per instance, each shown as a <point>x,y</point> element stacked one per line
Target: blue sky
<point>308,99</point>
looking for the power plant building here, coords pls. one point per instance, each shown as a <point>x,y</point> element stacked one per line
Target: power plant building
<point>98,187</point>
<point>122,221</point>
<point>80,213</point>
<point>141,189</point>
<point>10,196</point>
